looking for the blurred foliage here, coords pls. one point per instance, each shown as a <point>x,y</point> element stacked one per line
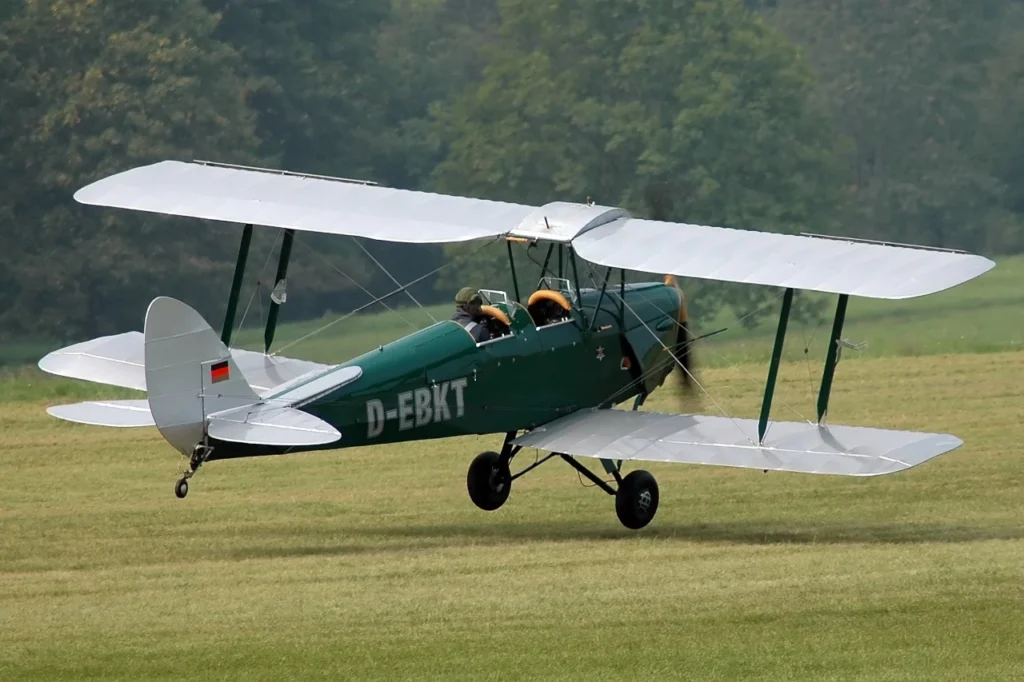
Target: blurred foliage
<point>681,110</point>
<point>925,91</point>
<point>889,120</point>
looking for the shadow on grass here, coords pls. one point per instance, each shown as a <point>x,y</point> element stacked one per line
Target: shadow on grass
<point>384,539</point>
<point>746,533</point>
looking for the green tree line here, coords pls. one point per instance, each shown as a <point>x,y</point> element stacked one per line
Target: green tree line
<point>888,120</point>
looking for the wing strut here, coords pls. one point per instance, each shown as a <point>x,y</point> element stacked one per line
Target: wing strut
<point>773,369</point>
<point>832,357</point>
<point>512,267</point>
<point>236,286</point>
<point>576,279</point>
<point>280,292</point>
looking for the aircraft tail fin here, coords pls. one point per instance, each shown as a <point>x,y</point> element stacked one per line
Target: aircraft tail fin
<point>195,384</point>
<point>190,373</point>
<point>196,388</point>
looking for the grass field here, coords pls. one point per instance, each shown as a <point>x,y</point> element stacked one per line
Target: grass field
<point>374,564</point>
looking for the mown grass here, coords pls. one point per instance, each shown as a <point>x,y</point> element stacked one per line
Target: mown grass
<point>982,316</point>
<point>373,564</point>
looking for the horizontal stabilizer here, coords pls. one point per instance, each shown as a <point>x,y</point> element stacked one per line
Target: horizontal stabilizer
<point>267,373</point>
<point>119,413</point>
<point>267,424</point>
<point>722,441</point>
<point>119,361</point>
<point>113,360</point>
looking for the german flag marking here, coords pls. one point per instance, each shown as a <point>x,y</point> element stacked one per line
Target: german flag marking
<point>220,371</point>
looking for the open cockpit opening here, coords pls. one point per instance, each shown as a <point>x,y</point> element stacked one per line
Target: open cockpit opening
<point>486,314</point>
<point>552,302</point>
<point>497,311</point>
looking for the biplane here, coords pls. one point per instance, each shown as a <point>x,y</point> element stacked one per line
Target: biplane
<point>562,365</point>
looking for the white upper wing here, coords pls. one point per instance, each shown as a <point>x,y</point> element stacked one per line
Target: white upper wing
<point>782,260</point>
<point>600,234</point>
<point>722,441</point>
<point>315,204</point>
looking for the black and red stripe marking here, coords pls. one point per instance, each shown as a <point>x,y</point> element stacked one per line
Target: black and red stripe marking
<point>220,371</point>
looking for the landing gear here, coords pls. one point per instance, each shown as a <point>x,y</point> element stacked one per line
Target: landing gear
<point>636,501</point>
<point>200,453</point>
<point>489,481</point>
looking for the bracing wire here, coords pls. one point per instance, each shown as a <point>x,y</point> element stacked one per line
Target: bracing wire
<point>690,374</point>
<point>754,311</point>
<point>360,286</point>
<point>781,401</point>
<point>391,277</point>
<point>682,367</point>
<point>259,277</point>
<point>674,358</point>
<point>807,355</point>
<point>380,299</point>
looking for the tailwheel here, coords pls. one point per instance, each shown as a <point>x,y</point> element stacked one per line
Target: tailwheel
<point>489,481</point>
<point>636,501</point>
<point>199,455</point>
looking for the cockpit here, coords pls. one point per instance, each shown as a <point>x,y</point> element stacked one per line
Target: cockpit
<point>549,305</point>
<point>498,311</point>
<point>552,302</point>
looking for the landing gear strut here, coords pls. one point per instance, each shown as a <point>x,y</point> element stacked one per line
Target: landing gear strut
<point>200,453</point>
<point>490,481</point>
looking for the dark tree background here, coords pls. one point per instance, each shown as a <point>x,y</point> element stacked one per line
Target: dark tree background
<point>890,120</point>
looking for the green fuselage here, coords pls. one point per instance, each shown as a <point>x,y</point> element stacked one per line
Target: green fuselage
<point>437,382</point>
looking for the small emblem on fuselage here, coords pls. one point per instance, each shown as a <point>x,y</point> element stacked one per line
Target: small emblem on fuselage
<point>416,408</point>
<point>600,352</point>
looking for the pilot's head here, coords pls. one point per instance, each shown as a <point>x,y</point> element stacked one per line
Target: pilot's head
<point>469,299</point>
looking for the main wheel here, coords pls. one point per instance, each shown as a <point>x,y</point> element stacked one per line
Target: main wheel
<point>489,481</point>
<point>181,488</point>
<point>636,502</point>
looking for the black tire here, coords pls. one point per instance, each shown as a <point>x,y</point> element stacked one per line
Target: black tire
<point>636,502</point>
<point>489,481</point>
<point>181,488</point>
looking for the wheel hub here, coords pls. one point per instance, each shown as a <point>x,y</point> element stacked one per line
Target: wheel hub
<point>497,480</point>
<point>643,501</point>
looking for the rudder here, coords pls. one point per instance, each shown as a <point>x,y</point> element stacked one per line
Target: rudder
<point>190,373</point>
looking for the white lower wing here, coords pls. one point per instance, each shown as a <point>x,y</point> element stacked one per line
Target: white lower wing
<point>722,441</point>
<point>119,361</point>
